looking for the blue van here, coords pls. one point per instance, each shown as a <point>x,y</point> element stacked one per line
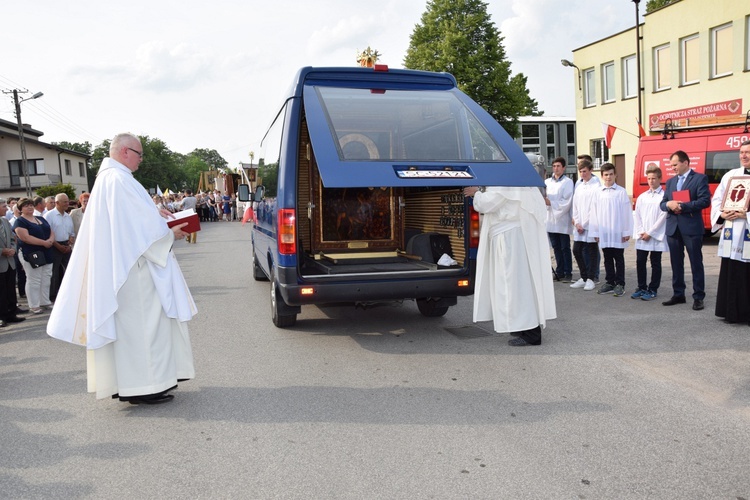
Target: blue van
<point>360,199</point>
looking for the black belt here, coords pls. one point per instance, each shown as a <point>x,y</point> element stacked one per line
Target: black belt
<point>66,243</point>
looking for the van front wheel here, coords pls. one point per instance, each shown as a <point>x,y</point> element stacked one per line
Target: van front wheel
<point>277,305</point>
<point>431,308</point>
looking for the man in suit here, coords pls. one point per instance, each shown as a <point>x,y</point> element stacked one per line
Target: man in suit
<point>8,301</point>
<point>685,196</point>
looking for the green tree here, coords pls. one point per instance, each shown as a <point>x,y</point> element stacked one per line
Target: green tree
<point>45,191</point>
<point>458,36</point>
<point>211,157</point>
<point>652,5</point>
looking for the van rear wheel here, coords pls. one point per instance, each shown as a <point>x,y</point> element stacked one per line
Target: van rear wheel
<point>277,305</point>
<point>431,308</point>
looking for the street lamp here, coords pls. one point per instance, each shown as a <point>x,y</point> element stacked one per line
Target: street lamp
<point>567,64</point>
<point>24,166</point>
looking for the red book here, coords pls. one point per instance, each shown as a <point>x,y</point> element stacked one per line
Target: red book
<point>683,196</point>
<point>189,216</point>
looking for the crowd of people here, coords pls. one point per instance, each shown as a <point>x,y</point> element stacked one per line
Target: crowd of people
<point>598,214</point>
<point>513,283</point>
<point>211,206</point>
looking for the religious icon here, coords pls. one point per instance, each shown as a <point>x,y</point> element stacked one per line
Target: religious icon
<point>737,195</point>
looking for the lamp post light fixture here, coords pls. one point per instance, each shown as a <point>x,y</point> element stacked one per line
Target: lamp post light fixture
<point>24,166</point>
<point>569,64</point>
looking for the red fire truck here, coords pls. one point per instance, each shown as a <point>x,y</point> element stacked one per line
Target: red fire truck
<point>712,152</point>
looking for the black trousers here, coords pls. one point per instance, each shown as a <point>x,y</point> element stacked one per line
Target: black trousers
<point>59,264</point>
<point>8,293</point>
<point>614,265</point>
<point>641,257</point>
<point>586,258</point>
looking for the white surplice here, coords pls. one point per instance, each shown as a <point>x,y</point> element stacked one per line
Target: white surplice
<point>583,196</point>
<point>611,218</point>
<point>124,296</point>
<point>514,273</point>
<point>649,218</point>
<point>739,226</point>
<point>560,195</point>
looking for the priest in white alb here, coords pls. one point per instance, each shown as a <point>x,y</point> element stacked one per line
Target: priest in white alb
<point>514,274</point>
<point>124,296</point>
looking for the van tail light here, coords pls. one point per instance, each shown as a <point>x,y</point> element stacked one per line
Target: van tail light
<point>473,228</point>
<point>287,233</point>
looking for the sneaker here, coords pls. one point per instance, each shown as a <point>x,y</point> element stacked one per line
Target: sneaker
<point>589,285</point>
<point>579,284</point>
<point>596,280</point>
<point>648,295</point>
<point>567,278</point>
<point>605,288</point>
<point>638,294</point>
<point>619,290</point>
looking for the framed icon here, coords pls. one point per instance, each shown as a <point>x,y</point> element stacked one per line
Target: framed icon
<point>737,194</point>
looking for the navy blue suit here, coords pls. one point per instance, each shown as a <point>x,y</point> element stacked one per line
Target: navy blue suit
<point>685,232</point>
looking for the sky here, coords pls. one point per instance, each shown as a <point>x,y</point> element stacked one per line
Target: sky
<point>199,74</point>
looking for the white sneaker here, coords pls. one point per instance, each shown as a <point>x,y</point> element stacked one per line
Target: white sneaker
<point>578,284</point>
<point>590,285</point>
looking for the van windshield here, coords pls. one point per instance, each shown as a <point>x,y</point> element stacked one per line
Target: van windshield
<point>417,125</point>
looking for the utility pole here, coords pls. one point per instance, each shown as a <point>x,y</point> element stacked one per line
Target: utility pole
<point>24,165</point>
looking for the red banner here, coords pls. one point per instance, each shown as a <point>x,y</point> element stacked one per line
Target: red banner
<point>718,112</point>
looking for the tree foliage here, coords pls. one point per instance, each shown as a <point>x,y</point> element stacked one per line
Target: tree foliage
<point>45,191</point>
<point>163,167</point>
<point>652,5</point>
<point>458,37</point>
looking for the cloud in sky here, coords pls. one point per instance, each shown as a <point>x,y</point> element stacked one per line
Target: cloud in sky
<point>211,75</point>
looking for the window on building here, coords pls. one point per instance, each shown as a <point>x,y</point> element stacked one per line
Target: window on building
<point>599,152</point>
<point>589,88</point>
<point>68,171</point>
<point>81,169</point>
<point>721,50</point>
<point>570,132</point>
<point>530,137</point>
<point>690,60</point>
<point>34,167</point>
<point>608,83</point>
<point>661,68</point>
<point>629,77</point>
<point>551,142</point>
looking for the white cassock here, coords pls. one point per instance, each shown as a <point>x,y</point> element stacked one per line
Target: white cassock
<point>514,273</point>
<point>124,296</point>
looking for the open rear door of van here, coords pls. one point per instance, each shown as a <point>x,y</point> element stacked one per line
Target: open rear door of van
<point>409,137</point>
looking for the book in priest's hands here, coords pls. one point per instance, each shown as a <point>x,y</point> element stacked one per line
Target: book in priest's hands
<point>189,216</point>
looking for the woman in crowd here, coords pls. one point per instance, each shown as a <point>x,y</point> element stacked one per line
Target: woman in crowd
<point>35,236</point>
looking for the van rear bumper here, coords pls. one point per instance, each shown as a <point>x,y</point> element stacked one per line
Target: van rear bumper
<point>372,290</point>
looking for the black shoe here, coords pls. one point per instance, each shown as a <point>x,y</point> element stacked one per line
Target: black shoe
<point>21,310</point>
<point>519,342</point>
<point>14,319</point>
<point>697,305</point>
<point>149,400</point>
<point>674,300</point>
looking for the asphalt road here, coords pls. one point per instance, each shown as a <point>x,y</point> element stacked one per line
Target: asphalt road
<point>625,399</point>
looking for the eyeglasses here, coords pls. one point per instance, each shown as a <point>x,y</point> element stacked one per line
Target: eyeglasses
<point>140,155</point>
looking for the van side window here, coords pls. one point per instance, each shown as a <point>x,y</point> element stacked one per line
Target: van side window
<point>719,163</point>
<point>268,163</point>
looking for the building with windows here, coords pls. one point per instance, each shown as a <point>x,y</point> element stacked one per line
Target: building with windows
<point>550,137</point>
<point>694,72</point>
<point>47,164</point>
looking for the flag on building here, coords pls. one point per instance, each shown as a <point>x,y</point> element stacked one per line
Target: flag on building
<point>641,131</point>
<point>609,132</point>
